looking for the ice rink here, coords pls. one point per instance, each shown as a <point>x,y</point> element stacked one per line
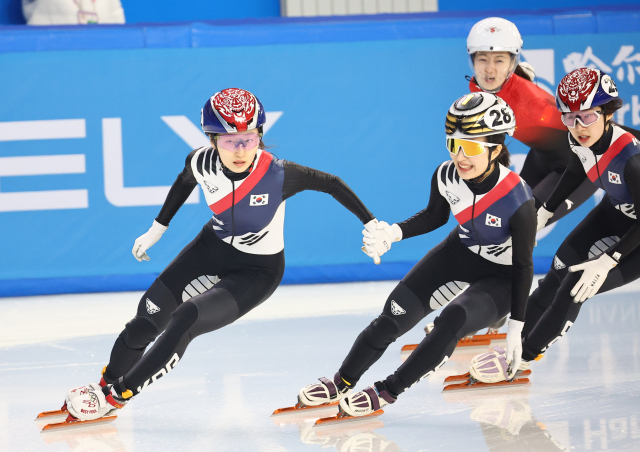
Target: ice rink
<point>584,395</point>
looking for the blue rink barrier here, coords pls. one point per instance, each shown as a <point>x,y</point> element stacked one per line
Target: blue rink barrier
<point>95,129</point>
<point>317,274</point>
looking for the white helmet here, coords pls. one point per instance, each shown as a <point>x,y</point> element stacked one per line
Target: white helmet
<point>494,34</point>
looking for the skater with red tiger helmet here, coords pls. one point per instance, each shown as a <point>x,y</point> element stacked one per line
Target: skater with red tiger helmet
<point>233,265</point>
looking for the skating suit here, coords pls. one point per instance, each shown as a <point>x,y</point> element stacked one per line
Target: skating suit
<point>539,126</point>
<point>235,263</point>
<point>479,273</point>
<point>612,227</point>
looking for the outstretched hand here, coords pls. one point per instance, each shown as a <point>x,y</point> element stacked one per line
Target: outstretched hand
<point>147,240</point>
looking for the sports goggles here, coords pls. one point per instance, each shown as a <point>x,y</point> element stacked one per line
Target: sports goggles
<point>586,118</point>
<point>233,142</point>
<point>469,148</point>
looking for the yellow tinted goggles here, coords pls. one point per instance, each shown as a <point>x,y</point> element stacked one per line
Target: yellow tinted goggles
<point>469,148</point>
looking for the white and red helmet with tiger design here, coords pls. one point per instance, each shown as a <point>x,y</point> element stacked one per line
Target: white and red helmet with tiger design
<point>585,88</point>
<point>232,110</point>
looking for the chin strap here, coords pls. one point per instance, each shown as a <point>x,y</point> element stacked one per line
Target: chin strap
<point>479,178</point>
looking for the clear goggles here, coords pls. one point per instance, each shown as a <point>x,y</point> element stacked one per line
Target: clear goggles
<point>469,148</point>
<point>235,142</point>
<point>586,118</point>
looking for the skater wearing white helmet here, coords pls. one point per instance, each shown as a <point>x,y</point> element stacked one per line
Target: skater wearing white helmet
<point>494,46</point>
<point>602,252</point>
<point>234,264</point>
<point>489,254</point>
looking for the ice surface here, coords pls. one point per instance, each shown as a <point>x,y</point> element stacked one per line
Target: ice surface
<point>585,394</point>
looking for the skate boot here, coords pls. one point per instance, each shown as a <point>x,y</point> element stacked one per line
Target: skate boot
<point>318,396</point>
<point>367,402</point>
<point>325,392</point>
<point>489,370</point>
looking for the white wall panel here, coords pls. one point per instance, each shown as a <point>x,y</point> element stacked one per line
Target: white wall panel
<point>325,7</point>
<point>385,6</point>
<point>400,6</point>
<point>339,7</point>
<point>294,8</point>
<point>370,6</point>
<point>310,7</point>
<point>354,7</point>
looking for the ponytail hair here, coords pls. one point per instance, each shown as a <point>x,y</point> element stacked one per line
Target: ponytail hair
<point>504,158</point>
<point>525,71</point>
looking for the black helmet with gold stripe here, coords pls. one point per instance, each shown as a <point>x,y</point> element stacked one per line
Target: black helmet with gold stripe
<point>479,115</point>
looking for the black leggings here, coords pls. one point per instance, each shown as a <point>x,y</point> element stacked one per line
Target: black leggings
<point>209,285</point>
<point>440,276</point>
<point>551,310</point>
<point>542,171</point>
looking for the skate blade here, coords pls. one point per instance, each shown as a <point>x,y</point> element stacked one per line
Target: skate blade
<point>465,377</point>
<point>50,414</point>
<point>76,423</point>
<point>468,386</point>
<point>301,409</point>
<point>342,418</point>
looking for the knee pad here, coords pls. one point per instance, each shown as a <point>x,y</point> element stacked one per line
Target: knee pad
<point>381,332</point>
<point>184,317</point>
<point>138,333</point>
<point>451,321</point>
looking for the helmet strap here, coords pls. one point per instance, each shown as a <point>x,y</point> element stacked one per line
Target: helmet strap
<point>480,178</point>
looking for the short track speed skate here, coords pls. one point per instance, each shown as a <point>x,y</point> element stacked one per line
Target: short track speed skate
<point>318,397</point>
<point>86,405</point>
<point>488,370</point>
<point>365,404</point>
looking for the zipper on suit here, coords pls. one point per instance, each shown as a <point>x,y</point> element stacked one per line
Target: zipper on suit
<point>233,204</point>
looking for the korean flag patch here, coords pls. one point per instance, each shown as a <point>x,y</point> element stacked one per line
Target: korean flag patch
<point>259,200</point>
<point>491,220</point>
<point>614,178</point>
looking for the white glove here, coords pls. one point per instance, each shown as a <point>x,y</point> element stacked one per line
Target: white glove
<point>593,275</point>
<point>377,238</point>
<point>514,346</point>
<point>543,217</point>
<point>147,240</point>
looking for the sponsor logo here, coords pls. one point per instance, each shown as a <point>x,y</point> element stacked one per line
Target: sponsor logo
<point>614,178</point>
<point>558,264</point>
<point>492,220</point>
<point>396,309</point>
<point>151,307</point>
<point>259,200</point>
<point>212,188</point>
<point>569,204</point>
<point>453,199</point>
<point>162,372</point>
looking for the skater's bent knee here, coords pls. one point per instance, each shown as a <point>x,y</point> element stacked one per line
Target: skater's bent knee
<point>381,332</point>
<point>186,315</point>
<point>453,319</point>
<point>138,333</point>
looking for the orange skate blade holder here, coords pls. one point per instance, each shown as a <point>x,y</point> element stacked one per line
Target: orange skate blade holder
<point>297,409</point>
<point>54,413</point>
<point>466,386</point>
<point>74,423</point>
<point>465,377</point>
<point>347,418</point>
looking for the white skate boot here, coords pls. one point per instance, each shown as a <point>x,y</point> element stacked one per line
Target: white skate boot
<point>325,392</point>
<point>323,396</point>
<point>366,402</point>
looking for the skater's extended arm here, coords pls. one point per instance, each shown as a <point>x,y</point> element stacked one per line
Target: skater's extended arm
<point>178,194</point>
<point>570,180</point>
<point>631,239</point>
<point>298,178</point>
<point>436,214</point>
<point>523,236</point>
